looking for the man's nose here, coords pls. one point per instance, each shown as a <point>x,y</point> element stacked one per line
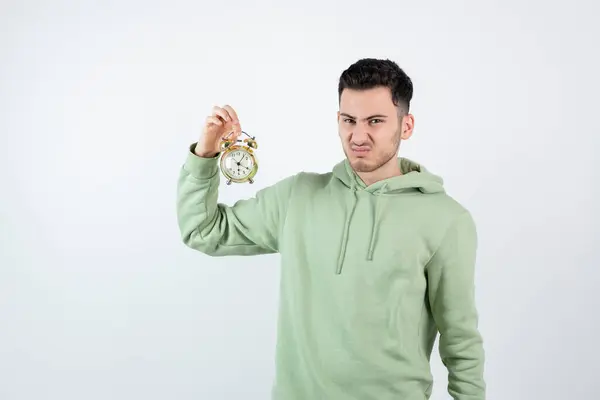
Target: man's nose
<point>360,134</point>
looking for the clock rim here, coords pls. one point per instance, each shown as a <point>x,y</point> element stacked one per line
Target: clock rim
<point>232,149</point>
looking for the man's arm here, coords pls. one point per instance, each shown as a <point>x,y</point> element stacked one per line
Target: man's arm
<point>249,227</point>
<point>450,275</point>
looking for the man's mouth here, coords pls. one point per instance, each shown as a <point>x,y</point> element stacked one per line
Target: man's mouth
<point>360,150</point>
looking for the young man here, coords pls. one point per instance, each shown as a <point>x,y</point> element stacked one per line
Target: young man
<point>376,258</point>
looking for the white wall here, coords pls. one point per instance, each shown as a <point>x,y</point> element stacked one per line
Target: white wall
<point>99,299</point>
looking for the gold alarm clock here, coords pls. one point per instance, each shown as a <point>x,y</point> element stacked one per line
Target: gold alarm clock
<point>238,162</point>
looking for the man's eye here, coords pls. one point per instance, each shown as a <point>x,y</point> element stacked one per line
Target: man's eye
<point>376,119</point>
<point>348,121</point>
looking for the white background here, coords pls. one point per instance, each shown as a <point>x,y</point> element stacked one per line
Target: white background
<point>99,299</point>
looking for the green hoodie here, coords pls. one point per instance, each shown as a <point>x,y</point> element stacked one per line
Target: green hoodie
<point>369,276</point>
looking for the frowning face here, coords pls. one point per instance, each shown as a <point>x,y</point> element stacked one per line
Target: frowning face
<point>371,128</point>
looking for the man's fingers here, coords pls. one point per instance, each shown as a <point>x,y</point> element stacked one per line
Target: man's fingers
<point>226,117</point>
<point>222,113</point>
<point>232,113</point>
<point>237,128</point>
<point>211,119</point>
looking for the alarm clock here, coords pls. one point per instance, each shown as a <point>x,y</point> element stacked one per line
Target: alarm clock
<point>238,162</point>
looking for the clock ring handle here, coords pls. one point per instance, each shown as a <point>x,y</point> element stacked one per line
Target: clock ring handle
<point>250,141</point>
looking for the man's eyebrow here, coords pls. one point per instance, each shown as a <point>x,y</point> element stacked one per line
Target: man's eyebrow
<point>369,117</point>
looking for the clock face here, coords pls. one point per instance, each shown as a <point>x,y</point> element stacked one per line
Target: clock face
<point>238,164</point>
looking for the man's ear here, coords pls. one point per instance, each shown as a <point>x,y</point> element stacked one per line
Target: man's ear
<point>407,126</point>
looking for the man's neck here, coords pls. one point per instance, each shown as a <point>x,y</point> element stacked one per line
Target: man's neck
<point>388,170</point>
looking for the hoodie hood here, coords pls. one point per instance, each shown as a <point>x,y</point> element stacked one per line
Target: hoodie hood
<point>414,179</point>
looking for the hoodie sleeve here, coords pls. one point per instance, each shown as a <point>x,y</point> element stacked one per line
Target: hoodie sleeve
<point>249,227</point>
<point>450,275</point>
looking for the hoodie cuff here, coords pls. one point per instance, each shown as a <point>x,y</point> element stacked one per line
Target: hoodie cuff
<point>201,167</point>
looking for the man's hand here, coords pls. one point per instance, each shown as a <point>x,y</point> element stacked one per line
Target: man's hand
<point>221,122</point>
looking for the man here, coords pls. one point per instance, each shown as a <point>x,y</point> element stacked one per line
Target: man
<point>376,258</point>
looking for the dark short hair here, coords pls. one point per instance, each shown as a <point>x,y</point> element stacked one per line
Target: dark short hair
<point>369,73</point>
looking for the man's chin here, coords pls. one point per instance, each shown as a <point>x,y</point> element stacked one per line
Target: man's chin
<point>362,165</point>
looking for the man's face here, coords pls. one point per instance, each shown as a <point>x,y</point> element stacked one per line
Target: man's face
<point>370,128</point>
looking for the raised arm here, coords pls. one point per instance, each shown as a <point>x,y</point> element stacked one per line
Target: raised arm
<point>452,298</point>
<point>251,226</point>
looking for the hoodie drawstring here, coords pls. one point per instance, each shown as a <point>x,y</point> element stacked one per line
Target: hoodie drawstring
<point>374,227</point>
<point>342,254</point>
<point>375,223</point>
